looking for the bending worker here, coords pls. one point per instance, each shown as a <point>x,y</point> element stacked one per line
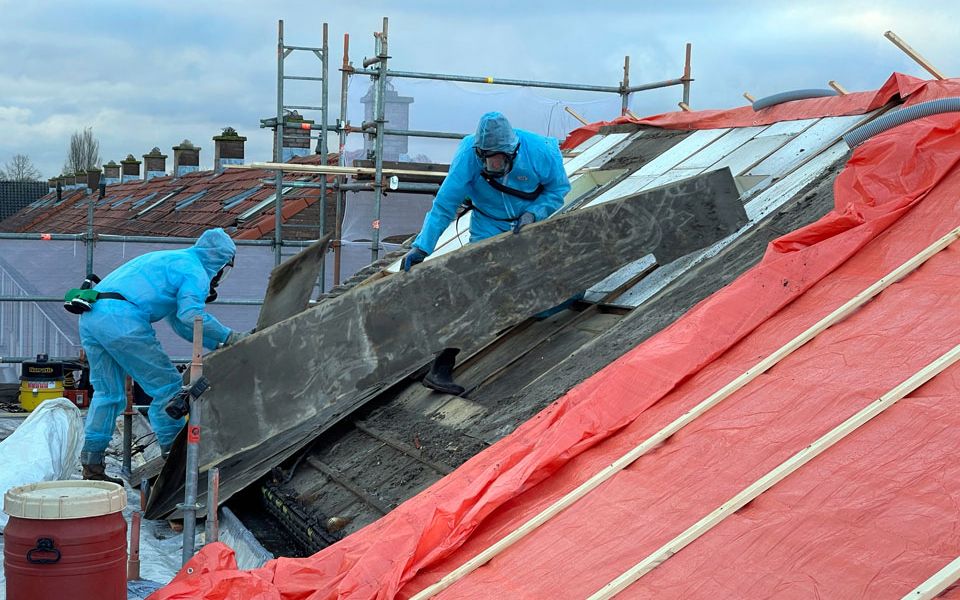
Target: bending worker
<point>510,178</point>
<point>119,339</point>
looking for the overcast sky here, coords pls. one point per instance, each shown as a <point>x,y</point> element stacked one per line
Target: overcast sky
<point>146,73</point>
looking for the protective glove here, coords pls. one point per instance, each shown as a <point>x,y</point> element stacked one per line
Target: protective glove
<point>414,257</point>
<point>525,219</point>
<point>235,336</point>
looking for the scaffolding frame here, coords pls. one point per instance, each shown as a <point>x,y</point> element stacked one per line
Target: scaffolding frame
<point>377,69</point>
<point>381,72</point>
<point>322,53</point>
<point>90,239</point>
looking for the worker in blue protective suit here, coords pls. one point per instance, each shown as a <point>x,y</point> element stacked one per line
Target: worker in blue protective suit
<point>509,178</point>
<point>118,337</point>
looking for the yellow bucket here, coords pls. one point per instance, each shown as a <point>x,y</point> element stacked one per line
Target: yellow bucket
<point>32,393</point>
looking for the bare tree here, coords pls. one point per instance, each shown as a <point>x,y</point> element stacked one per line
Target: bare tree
<point>19,168</point>
<point>84,152</point>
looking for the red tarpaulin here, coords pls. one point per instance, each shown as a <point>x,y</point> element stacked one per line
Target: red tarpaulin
<point>870,518</point>
<point>911,89</point>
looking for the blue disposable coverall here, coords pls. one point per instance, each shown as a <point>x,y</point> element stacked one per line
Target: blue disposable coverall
<point>538,162</point>
<point>118,337</point>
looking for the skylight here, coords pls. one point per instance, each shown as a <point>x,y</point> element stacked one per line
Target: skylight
<point>235,200</point>
<point>189,200</point>
<point>158,202</point>
<point>143,200</point>
<point>121,201</point>
<point>263,204</point>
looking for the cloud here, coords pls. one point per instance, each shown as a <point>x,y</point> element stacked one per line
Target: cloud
<point>155,72</point>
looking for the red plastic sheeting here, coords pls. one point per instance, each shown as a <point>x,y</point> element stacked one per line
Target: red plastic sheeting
<point>908,88</point>
<point>871,518</point>
<point>907,171</point>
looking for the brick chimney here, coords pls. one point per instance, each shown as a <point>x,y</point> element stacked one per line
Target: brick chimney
<point>92,179</point>
<point>186,158</point>
<point>155,164</point>
<point>227,149</point>
<point>77,181</point>
<point>296,139</point>
<point>129,169</point>
<point>52,185</point>
<point>111,173</point>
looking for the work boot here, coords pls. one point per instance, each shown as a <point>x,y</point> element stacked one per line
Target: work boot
<point>94,468</point>
<point>440,377</point>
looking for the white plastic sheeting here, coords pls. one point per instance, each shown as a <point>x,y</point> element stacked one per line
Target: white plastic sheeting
<point>400,214</point>
<point>160,546</point>
<point>45,447</point>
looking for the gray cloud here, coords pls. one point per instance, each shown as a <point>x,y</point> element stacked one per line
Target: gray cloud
<point>153,73</point>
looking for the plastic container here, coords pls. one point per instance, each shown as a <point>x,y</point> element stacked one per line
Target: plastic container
<point>32,393</point>
<point>41,380</point>
<point>65,539</point>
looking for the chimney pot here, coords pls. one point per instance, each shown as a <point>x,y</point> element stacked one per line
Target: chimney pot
<point>186,158</point>
<point>129,169</point>
<point>111,173</point>
<point>155,164</point>
<point>227,149</point>
<point>296,140</point>
<point>93,179</point>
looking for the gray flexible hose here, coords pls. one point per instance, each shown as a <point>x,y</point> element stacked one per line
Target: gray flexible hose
<point>790,96</point>
<point>899,117</point>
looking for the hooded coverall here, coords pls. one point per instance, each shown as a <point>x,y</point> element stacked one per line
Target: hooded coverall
<point>119,339</point>
<point>537,162</point>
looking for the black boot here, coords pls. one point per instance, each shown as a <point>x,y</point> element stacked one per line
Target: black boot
<point>440,377</point>
<point>94,468</point>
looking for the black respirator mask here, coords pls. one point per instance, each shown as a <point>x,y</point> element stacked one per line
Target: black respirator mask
<point>217,280</point>
<point>496,163</point>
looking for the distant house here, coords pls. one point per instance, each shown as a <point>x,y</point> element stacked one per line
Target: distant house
<point>184,203</point>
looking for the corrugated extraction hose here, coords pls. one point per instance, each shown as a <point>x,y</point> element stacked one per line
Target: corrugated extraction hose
<point>791,96</point>
<point>899,117</point>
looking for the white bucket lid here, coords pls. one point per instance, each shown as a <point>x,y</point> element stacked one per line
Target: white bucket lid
<point>73,499</point>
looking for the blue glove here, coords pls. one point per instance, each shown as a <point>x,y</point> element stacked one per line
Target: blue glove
<point>414,257</point>
<point>525,219</point>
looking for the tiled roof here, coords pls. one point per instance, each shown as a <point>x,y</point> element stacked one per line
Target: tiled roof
<point>170,206</point>
<point>15,195</point>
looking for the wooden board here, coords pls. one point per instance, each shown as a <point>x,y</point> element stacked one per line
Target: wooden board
<point>275,391</point>
<point>426,170</point>
<point>938,582</point>
<point>291,284</point>
<point>335,170</point>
